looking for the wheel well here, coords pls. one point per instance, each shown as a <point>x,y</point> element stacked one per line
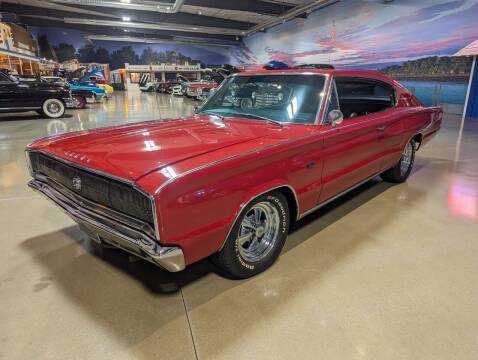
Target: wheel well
<point>418,140</point>
<point>291,201</point>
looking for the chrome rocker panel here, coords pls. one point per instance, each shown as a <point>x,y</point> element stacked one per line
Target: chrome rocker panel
<point>107,229</point>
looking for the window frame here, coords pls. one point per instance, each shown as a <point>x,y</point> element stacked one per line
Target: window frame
<point>5,80</point>
<point>375,81</point>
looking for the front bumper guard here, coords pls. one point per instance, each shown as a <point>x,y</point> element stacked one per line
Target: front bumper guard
<point>104,229</point>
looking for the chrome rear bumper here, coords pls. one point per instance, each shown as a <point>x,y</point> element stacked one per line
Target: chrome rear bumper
<point>107,226</point>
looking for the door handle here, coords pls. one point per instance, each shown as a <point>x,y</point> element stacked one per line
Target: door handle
<point>381,128</point>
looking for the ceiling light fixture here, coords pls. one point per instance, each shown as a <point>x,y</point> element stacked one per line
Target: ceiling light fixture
<point>126,18</point>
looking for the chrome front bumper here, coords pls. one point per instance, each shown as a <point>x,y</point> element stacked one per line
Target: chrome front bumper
<point>107,226</point>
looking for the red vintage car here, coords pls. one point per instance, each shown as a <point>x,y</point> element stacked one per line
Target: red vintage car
<point>266,149</point>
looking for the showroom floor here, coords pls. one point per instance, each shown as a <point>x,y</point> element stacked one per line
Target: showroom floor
<point>388,272</point>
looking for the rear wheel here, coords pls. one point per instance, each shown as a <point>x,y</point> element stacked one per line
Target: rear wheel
<point>53,108</point>
<point>79,102</point>
<point>256,238</point>
<point>400,172</point>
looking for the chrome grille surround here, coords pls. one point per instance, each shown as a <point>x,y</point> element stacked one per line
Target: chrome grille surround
<point>104,224</point>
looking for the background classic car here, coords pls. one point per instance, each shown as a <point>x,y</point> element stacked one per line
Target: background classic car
<point>48,100</point>
<point>265,150</point>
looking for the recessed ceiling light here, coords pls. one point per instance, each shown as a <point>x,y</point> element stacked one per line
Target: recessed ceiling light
<point>126,18</point>
<point>125,1</point>
<point>199,12</point>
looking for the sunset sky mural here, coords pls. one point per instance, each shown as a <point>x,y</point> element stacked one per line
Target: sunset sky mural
<point>365,33</point>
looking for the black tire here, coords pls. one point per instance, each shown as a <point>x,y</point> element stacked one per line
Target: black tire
<point>233,260</point>
<point>53,108</point>
<point>79,101</point>
<point>398,173</point>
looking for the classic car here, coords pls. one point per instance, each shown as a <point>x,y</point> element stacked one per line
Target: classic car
<point>227,182</point>
<point>48,100</point>
<point>80,97</point>
<point>96,77</point>
<point>99,93</point>
<point>199,90</point>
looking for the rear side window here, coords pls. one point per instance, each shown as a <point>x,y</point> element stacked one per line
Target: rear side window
<point>360,97</point>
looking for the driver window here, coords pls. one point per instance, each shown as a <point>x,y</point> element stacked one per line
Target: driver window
<point>360,97</point>
<point>4,79</point>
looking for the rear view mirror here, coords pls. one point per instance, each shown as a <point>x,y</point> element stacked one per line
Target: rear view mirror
<point>335,117</point>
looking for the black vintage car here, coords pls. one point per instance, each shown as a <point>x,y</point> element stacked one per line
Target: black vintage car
<point>49,100</point>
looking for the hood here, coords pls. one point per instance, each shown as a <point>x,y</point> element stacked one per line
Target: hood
<point>132,151</point>
<point>42,85</point>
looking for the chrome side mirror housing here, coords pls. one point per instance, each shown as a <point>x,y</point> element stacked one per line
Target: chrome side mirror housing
<point>335,117</point>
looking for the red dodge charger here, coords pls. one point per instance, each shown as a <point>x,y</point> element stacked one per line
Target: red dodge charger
<point>264,150</point>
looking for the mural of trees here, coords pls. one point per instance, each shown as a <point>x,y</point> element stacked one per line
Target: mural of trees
<point>64,51</point>
<point>89,53</point>
<point>45,49</point>
<point>124,55</point>
<point>86,53</point>
<point>433,66</point>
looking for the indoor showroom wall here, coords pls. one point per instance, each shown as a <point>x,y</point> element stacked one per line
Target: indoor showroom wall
<point>410,40</point>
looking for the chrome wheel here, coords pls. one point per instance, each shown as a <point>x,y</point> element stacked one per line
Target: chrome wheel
<point>406,160</point>
<point>53,108</point>
<point>258,232</point>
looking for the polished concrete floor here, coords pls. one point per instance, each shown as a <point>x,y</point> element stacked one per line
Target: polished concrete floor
<point>387,272</point>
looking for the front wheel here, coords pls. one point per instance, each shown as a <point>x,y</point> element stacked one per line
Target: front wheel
<point>53,108</point>
<point>257,237</point>
<point>400,172</point>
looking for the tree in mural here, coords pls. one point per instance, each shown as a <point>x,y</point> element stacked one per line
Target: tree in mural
<point>431,66</point>
<point>149,56</point>
<point>45,49</point>
<point>87,53</point>
<point>102,56</point>
<point>124,55</point>
<point>64,51</point>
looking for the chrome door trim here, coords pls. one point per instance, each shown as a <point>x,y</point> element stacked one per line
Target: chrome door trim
<point>21,108</point>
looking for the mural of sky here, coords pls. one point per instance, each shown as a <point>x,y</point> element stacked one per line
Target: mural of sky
<point>367,33</point>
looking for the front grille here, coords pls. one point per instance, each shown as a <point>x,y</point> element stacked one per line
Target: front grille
<point>100,189</point>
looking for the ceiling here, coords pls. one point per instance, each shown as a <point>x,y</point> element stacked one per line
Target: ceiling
<point>204,22</point>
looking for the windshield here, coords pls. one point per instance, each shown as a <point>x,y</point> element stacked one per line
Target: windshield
<point>281,98</point>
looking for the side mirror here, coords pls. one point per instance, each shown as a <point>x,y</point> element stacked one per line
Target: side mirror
<point>335,117</point>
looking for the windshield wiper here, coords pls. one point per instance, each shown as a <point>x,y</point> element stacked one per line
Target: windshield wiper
<point>254,116</point>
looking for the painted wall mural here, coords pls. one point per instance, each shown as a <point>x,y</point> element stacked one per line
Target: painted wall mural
<point>410,40</point>
<point>62,44</point>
